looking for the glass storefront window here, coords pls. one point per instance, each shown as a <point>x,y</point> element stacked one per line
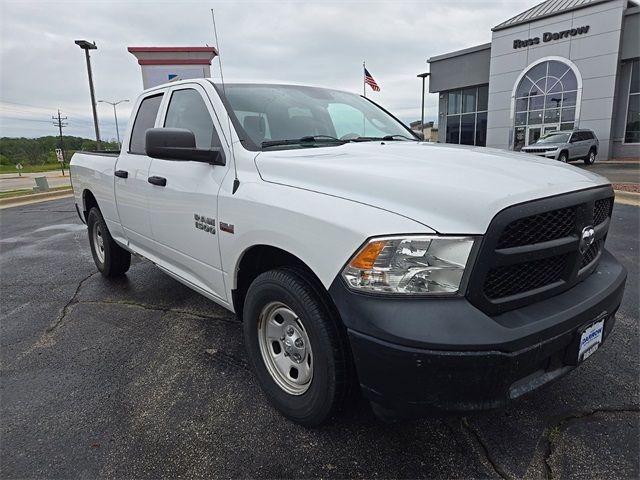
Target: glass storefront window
<point>551,88</point>
<point>483,98</point>
<point>536,102</point>
<point>535,117</point>
<point>467,129</point>
<point>552,116</point>
<point>470,128</point>
<point>468,100</point>
<point>568,114</point>
<point>522,104</point>
<point>632,126</point>
<point>453,129</point>
<point>569,99</point>
<point>481,129</point>
<point>553,101</point>
<point>454,103</point>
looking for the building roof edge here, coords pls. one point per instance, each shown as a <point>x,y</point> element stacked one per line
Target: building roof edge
<point>457,53</point>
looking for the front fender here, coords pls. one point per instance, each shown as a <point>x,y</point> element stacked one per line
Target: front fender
<point>321,230</point>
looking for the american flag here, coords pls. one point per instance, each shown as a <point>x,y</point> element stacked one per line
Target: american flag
<point>368,79</point>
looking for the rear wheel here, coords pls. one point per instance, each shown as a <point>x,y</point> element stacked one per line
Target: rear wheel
<point>111,259</point>
<point>296,345</point>
<point>591,157</point>
<point>564,157</point>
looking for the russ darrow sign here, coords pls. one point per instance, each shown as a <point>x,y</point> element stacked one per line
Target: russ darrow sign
<point>549,36</point>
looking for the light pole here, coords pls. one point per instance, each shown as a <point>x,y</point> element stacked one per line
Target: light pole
<point>115,116</point>
<point>423,76</point>
<point>86,46</point>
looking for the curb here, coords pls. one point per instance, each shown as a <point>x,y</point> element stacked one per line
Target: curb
<point>628,198</point>
<point>35,197</point>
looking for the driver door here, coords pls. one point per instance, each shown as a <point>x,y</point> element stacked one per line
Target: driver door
<point>184,195</point>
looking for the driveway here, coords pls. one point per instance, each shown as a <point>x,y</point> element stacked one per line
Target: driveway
<point>143,378</point>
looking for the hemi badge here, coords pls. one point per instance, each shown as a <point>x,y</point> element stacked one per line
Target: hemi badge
<point>226,227</point>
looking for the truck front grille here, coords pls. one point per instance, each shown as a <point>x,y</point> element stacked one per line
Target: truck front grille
<point>535,250</point>
<point>602,210</point>
<point>513,279</point>
<point>539,228</point>
<point>591,254</point>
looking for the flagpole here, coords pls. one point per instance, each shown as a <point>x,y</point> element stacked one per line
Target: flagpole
<point>364,83</point>
<point>364,93</point>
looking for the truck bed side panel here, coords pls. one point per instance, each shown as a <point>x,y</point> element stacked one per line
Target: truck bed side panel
<point>94,173</point>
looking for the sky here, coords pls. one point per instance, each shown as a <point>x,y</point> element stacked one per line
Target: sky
<point>312,42</point>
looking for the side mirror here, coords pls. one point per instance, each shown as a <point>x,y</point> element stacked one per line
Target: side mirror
<point>179,144</point>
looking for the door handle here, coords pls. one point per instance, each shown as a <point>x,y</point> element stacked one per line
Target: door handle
<point>160,181</point>
<point>121,173</point>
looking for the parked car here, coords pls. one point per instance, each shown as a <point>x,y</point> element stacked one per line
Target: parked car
<point>427,276</point>
<point>566,146</point>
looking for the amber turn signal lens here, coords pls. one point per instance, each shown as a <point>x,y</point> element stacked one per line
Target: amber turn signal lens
<point>368,255</point>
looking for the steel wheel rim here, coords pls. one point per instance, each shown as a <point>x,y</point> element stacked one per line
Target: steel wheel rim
<point>285,348</point>
<point>98,243</point>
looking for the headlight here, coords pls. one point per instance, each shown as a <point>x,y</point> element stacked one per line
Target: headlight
<point>409,265</point>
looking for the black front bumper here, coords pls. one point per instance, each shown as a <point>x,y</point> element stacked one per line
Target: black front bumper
<point>415,355</point>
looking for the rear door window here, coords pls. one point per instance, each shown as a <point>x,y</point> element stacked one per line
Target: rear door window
<point>145,119</point>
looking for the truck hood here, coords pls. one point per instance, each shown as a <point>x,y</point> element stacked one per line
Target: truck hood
<point>449,188</point>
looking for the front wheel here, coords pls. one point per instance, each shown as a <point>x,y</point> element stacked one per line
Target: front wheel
<point>111,259</point>
<point>564,157</point>
<point>590,158</point>
<point>296,345</point>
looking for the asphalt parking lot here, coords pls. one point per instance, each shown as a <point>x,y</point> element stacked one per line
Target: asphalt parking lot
<point>143,378</point>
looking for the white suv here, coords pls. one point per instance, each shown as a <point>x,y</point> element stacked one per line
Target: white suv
<point>566,146</point>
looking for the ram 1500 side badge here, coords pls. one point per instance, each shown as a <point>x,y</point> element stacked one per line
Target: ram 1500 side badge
<point>205,224</point>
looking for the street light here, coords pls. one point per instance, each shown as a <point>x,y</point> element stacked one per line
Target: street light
<point>86,46</point>
<point>115,116</point>
<point>423,76</point>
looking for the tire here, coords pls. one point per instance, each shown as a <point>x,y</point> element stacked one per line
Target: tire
<point>564,157</point>
<point>111,259</point>
<point>591,157</point>
<point>286,314</point>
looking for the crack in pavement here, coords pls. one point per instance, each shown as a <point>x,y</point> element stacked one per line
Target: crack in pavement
<point>145,306</point>
<point>65,310</point>
<point>46,337</point>
<point>551,433</point>
<point>484,448</point>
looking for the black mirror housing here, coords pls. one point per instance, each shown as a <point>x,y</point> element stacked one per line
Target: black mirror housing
<point>179,144</point>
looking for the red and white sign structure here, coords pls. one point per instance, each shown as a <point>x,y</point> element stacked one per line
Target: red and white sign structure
<point>165,64</point>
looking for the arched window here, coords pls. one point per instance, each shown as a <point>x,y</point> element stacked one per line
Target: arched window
<point>545,100</point>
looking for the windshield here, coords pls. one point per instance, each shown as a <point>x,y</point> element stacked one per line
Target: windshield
<point>289,116</point>
<point>554,138</point>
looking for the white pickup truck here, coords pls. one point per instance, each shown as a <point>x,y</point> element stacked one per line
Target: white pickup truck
<point>429,277</point>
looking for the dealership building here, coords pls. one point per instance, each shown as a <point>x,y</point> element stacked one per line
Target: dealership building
<point>560,65</point>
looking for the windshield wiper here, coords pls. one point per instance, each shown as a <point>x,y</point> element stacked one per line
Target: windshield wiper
<point>398,137</point>
<point>303,140</point>
<point>388,138</point>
